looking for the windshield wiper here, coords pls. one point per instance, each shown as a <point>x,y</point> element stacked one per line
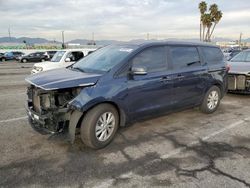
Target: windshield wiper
<point>191,63</point>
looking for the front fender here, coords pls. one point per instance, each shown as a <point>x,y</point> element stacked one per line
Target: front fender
<point>84,100</point>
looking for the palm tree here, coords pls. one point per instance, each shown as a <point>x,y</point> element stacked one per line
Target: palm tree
<point>217,18</point>
<point>203,9</point>
<point>207,23</point>
<point>208,20</point>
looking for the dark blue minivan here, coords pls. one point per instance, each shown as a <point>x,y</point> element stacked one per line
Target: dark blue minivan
<point>123,83</point>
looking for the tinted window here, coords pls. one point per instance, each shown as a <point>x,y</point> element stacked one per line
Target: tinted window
<point>184,57</point>
<point>153,59</point>
<point>212,55</point>
<point>75,56</point>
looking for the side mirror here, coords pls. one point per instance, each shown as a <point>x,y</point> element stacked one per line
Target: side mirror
<point>67,59</point>
<point>139,70</point>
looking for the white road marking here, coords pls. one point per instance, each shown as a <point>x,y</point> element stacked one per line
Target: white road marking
<point>213,134</point>
<point>13,119</point>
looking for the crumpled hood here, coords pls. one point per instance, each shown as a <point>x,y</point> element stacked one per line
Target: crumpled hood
<point>239,67</point>
<point>62,78</point>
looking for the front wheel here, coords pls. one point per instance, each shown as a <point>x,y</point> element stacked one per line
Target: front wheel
<point>24,61</point>
<point>99,126</point>
<point>211,100</point>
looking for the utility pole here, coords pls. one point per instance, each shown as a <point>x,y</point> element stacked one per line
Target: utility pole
<point>93,38</point>
<point>240,39</point>
<point>63,45</point>
<point>9,33</point>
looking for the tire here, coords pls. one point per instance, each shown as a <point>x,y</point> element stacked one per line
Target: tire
<point>24,61</point>
<point>211,100</point>
<point>89,133</point>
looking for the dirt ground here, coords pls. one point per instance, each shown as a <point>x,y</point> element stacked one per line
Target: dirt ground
<point>184,149</point>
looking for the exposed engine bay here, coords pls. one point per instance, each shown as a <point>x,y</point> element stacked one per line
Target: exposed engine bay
<point>50,108</point>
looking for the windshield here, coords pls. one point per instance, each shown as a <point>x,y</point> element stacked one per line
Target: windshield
<point>103,59</point>
<point>242,57</point>
<point>58,56</point>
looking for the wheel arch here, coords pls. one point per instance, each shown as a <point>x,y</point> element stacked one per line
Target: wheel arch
<point>77,117</point>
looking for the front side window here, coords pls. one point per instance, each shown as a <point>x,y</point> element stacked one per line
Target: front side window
<point>58,56</point>
<point>184,57</point>
<point>75,56</point>
<point>153,59</point>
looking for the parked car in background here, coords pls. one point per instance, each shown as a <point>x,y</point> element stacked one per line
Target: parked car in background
<point>34,57</point>
<point>62,58</point>
<point>120,84</point>
<point>15,55</point>
<point>1,55</point>
<point>239,74</point>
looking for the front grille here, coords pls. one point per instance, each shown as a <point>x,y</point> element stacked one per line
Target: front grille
<point>236,82</point>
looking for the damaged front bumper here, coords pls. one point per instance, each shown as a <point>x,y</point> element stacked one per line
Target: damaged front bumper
<point>47,123</point>
<point>239,83</point>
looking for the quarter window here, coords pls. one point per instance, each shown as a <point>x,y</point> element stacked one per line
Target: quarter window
<point>183,57</point>
<point>153,59</point>
<point>212,55</point>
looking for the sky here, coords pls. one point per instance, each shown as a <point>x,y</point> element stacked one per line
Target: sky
<point>118,19</point>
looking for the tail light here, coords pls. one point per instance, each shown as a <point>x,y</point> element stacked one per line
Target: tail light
<point>228,68</point>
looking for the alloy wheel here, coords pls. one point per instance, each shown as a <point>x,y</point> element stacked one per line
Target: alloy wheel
<point>105,126</point>
<point>212,100</point>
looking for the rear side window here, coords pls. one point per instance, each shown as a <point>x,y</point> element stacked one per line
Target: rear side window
<point>183,57</point>
<point>212,55</point>
<point>154,59</point>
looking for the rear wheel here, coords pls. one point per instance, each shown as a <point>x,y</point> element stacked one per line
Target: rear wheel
<point>99,126</point>
<point>211,100</point>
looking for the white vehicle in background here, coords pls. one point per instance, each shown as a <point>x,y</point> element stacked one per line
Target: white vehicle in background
<point>62,58</point>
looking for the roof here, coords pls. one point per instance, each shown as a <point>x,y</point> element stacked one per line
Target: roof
<point>177,42</point>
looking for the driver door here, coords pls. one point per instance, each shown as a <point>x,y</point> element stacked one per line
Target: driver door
<point>151,93</point>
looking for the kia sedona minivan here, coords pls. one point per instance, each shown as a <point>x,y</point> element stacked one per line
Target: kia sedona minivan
<point>123,83</point>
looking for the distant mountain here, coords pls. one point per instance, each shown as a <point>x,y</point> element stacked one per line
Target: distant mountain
<point>98,42</point>
<point>30,40</point>
<point>27,39</point>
